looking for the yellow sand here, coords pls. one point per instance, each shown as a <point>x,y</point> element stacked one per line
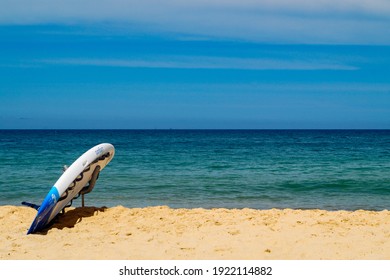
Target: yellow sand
<point>164,233</point>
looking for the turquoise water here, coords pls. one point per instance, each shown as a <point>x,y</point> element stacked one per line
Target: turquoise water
<point>262,169</point>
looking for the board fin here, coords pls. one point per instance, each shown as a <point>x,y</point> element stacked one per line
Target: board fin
<point>32,205</point>
<point>91,184</point>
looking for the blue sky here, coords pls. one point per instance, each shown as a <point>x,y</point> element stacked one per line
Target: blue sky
<point>202,64</point>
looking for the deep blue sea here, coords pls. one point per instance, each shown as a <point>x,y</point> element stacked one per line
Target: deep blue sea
<point>262,169</point>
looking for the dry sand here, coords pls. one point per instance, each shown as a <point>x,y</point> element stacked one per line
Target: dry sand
<point>196,234</point>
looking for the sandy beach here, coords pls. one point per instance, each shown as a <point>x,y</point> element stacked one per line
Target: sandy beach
<point>197,234</point>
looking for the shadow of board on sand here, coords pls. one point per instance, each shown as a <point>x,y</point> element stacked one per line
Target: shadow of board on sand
<point>72,217</point>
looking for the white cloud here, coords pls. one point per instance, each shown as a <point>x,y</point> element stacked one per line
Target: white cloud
<point>298,21</point>
<point>204,62</point>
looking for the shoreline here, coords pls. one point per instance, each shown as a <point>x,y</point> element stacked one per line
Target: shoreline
<point>163,233</point>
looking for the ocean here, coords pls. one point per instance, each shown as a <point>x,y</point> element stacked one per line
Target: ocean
<point>260,169</point>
